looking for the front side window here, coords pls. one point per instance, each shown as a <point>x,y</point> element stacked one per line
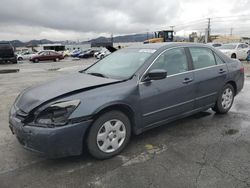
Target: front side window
<point>173,61</point>
<point>202,57</point>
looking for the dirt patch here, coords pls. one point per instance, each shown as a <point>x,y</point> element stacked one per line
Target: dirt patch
<point>231,132</point>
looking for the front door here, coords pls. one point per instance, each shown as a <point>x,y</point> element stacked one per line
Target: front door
<point>169,97</point>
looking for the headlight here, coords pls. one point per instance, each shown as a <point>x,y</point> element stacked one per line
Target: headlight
<point>57,114</point>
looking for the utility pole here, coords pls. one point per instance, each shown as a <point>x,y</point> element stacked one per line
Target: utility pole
<point>112,39</point>
<point>208,31</point>
<point>231,31</point>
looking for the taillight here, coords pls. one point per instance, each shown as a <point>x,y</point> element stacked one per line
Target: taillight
<point>242,70</point>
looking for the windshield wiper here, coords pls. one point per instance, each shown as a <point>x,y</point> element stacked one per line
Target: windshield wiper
<point>97,74</point>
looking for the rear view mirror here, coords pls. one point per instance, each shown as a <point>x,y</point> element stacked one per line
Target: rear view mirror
<point>156,74</point>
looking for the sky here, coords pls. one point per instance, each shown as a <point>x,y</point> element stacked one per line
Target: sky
<point>86,19</point>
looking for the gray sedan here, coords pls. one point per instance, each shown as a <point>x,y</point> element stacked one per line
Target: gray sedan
<point>128,92</point>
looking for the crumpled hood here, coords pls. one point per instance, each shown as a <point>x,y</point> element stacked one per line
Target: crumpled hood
<point>32,97</point>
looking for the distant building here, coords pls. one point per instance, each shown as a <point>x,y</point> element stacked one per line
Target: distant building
<point>231,39</point>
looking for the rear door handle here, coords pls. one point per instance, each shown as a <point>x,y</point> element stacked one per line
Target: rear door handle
<point>187,80</point>
<point>221,71</point>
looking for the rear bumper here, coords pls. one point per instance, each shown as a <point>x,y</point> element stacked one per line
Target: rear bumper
<point>240,83</point>
<point>11,59</point>
<point>52,142</point>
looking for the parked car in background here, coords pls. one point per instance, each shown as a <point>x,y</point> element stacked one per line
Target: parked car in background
<point>235,50</point>
<point>99,51</point>
<point>215,45</point>
<point>66,53</point>
<point>103,54</point>
<point>76,53</point>
<point>87,53</point>
<point>7,54</point>
<point>130,91</point>
<point>25,55</point>
<point>46,55</point>
<point>248,57</point>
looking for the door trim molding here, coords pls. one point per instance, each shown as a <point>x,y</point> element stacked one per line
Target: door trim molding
<point>167,108</point>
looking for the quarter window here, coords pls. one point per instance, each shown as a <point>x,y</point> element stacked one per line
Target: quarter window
<point>218,59</point>
<point>202,57</point>
<point>173,61</point>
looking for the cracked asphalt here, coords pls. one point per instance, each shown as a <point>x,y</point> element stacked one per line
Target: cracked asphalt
<point>205,150</point>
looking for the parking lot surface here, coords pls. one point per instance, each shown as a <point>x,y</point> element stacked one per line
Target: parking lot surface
<point>204,150</point>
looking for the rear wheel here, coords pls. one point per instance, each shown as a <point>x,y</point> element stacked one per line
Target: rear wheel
<point>109,135</point>
<point>20,59</point>
<point>57,59</point>
<point>225,100</point>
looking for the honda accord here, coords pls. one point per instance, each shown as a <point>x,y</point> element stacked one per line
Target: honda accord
<point>128,92</point>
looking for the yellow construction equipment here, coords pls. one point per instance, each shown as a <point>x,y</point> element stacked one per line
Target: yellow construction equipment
<point>161,36</point>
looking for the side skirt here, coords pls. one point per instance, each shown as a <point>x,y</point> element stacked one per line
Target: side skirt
<point>174,118</point>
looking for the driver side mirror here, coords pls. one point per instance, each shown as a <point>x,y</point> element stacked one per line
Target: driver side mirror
<point>155,74</point>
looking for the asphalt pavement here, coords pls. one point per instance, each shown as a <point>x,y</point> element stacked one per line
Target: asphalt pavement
<point>205,150</point>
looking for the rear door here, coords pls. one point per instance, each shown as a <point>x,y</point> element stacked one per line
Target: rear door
<point>44,56</point>
<point>210,74</point>
<point>172,96</point>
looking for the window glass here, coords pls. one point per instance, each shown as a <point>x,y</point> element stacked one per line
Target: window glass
<point>244,46</point>
<point>240,46</point>
<point>202,57</point>
<point>121,64</point>
<point>218,59</point>
<point>173,61</point>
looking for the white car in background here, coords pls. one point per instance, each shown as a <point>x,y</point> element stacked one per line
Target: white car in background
<point>103,53</point>
<point>25,56</point>
<point>235,50</point>
<point>215,45</point>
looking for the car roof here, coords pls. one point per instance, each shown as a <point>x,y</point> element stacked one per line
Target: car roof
<point>166,45</point>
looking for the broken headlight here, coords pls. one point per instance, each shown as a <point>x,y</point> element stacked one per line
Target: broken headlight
<point>57,114</point>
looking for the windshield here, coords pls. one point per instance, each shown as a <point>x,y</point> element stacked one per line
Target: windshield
<point>228,46</point>
<point>121,64</point>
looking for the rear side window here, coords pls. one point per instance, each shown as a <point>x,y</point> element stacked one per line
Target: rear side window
<point>202,57</point>
<point>173,61</point>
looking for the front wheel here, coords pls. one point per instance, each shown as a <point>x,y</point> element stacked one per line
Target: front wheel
<point>36,60</point>
<point>109,135</point>
<point>225,100</point>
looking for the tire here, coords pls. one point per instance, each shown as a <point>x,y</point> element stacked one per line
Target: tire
<point>102,56</point>
<point>36,60</point>
<point>57,59</point>
<point>227,95</point>
<point>20,59</point>
<point>233,56</point>
<point>115,137</point>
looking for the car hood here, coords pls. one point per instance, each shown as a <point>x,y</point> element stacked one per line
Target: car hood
<point>32,97</point>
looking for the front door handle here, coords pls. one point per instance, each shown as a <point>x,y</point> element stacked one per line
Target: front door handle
<point>187,80</point>
<point>221,71</point>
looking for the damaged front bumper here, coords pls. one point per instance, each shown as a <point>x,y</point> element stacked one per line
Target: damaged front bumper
<point>53,142</point>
